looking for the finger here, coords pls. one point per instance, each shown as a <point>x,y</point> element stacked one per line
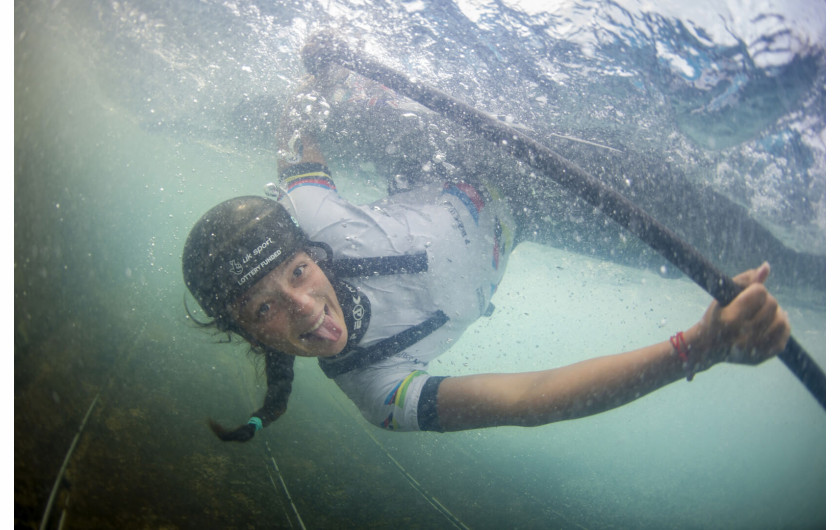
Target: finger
<point>768,311</point>
<point>757,275</point>
<point>756,331</point>
<point>769,334</point>
<point>781,334</point>
<point>776,335</point>
<point>747,304</point>
<point>763,272</point>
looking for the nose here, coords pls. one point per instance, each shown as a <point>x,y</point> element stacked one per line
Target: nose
<point>300,300</point>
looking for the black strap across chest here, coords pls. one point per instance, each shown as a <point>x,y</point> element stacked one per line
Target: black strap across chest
<point>404,264</point>
<point>356,308</point>
<point>362,357</point>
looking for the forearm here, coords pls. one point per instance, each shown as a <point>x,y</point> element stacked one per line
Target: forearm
<point>599,384</point>
<point>304,149</point>
<point>574,391</point>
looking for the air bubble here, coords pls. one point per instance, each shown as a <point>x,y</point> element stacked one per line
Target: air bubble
<point>271,190</point>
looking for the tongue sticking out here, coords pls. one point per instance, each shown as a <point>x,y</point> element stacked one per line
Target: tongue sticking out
<point>329,330</point>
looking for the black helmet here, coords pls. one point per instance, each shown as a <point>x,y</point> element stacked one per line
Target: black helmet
<point>233,246</point>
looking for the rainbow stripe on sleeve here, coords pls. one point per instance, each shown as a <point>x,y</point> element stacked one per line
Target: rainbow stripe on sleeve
<point>319,179</point>
<point>468,195</point>
<point>397,395</point>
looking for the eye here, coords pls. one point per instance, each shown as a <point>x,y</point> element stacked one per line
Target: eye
<point>299,270</point>
<point>262,311</point>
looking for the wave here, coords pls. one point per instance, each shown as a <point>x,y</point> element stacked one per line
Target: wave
<point>733,92</point>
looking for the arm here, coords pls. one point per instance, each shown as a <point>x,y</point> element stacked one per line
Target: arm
<point>306,113</point>
<point>301,149</point>
<point>749,330</point>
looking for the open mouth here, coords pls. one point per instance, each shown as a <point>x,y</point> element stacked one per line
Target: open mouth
<point>325,329</point>
<point>309,334</point>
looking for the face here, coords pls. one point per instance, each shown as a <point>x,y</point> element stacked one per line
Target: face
<point>294,309</point>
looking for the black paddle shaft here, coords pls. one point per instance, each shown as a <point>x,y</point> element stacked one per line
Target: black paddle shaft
<point>323,50</point>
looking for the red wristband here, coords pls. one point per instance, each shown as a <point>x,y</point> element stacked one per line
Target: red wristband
<point>678,342</point>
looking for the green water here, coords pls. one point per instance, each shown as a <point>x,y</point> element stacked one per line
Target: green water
<point>103,204</point>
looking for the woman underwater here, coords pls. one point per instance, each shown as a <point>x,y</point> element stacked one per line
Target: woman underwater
<point>375,292</point>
